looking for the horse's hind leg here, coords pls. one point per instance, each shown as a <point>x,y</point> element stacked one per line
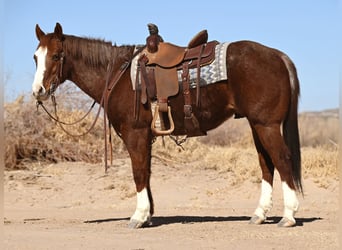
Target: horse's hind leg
<point>274,144</point>
<point>267,168</point>
<point>138,144</point>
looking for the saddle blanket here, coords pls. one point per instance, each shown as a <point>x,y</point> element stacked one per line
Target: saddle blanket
<point>211,73</point>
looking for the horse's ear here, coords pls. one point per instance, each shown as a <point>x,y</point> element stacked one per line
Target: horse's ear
<point>39,32</point>
<point>59,31</point>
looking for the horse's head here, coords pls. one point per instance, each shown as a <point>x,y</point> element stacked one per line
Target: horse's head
<point>49,58</point>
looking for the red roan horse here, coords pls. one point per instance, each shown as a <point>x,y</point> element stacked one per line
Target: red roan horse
<point>262,86</point>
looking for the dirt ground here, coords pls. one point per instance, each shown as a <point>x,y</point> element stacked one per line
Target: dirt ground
<point>78,206</point>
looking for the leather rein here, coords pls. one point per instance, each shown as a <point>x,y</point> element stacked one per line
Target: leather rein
<point>110,84</point>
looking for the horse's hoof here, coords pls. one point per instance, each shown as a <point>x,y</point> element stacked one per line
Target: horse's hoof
<point>134,224</point>
<point>256,220</point>
<point>285,222</point>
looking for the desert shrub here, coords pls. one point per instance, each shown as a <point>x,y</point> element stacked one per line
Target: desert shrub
<point>32,136</point>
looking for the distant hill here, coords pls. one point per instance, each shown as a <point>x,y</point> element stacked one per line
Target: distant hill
<point>324,113</point>
<point>317,128</point>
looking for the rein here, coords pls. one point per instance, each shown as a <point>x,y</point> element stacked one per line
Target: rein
<point>61,123</point>
<point>110,85</point>
<point>56,118</point>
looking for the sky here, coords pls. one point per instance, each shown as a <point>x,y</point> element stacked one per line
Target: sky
<point>306,30</point>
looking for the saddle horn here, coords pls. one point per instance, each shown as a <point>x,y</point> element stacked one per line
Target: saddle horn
<point>153,39</point>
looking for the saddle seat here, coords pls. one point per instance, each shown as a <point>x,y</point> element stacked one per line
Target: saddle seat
<point>169,55</point>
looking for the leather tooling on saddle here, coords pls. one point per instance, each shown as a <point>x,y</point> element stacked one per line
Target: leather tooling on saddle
<point>162,69</point>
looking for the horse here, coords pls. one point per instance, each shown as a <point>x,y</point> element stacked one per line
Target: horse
<point>262,86</point>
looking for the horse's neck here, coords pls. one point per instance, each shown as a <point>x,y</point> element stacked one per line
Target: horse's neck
<point>89,79</point>
<point>86,63</point>
<point>89,71</point>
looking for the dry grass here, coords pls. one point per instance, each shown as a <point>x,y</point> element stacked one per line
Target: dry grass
<point>242,161</point>
<point>32,137</point>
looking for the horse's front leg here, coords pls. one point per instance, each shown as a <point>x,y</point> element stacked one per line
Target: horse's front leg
<point>138,143</point>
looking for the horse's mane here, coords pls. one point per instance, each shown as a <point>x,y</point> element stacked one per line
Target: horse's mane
<point>95,52</point>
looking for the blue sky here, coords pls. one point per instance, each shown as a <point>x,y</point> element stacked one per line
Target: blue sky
<point>306,30</point>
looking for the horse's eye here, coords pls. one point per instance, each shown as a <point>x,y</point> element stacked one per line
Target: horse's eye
<point>55,57</point>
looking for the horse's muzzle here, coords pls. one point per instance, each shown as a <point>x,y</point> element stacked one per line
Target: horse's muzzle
<point>41,94</point>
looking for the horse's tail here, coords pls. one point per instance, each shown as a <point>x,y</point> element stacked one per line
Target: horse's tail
<point>290,124</point>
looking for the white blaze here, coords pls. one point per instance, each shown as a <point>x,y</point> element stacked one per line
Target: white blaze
<point>38,78</point>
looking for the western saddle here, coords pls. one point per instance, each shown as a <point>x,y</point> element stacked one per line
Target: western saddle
<point>158,66</point>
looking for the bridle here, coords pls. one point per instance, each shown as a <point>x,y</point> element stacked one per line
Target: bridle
<point>109,86</point>
<point>58,76</point>
<point>51,92</point>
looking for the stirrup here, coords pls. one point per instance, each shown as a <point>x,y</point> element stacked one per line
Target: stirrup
<point>157,131</point>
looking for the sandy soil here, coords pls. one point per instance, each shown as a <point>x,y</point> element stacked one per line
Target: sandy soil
<point>78,206</point>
